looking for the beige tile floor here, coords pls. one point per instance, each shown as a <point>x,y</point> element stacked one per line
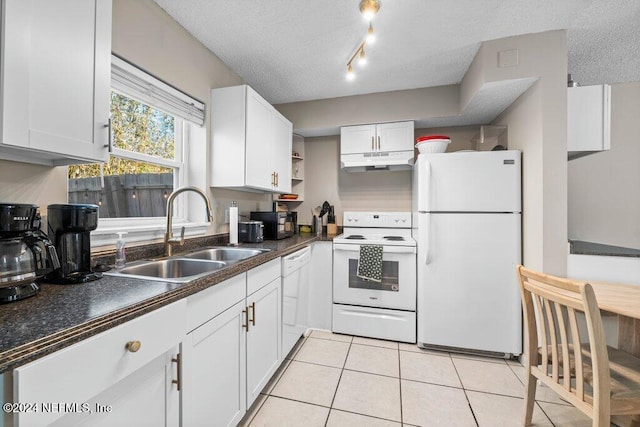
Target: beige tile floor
<point>339,380</point>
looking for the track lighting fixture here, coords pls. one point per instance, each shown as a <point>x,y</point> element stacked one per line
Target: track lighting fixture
<point>368,8</point>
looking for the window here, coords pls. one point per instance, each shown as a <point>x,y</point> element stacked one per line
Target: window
<point>143,168</point>
<point>151,127</point>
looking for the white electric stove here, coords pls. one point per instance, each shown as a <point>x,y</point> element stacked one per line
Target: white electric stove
<point>385,309</point>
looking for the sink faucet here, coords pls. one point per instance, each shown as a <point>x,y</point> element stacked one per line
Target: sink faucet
<point>169,240</point>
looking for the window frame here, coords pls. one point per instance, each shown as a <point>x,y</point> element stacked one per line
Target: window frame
<point>152,228</point>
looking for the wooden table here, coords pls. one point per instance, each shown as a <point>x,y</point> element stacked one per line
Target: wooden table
<point>623,300</point>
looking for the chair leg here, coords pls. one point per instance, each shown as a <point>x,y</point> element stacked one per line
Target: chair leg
<point>529,399</point>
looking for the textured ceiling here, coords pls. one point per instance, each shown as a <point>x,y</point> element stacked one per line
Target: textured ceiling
<point>296,50</point>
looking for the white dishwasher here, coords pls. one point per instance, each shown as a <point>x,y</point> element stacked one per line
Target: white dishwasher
<point>295,297</point>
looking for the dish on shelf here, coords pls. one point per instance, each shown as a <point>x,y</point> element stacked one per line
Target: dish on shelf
<point>289,196</point>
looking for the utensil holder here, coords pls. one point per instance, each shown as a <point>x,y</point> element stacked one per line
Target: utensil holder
<point>317,225</point>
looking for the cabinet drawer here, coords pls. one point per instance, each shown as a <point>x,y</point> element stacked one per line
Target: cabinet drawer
<point>263,275</point>
<point>83,370</point>
<point>205,305</point>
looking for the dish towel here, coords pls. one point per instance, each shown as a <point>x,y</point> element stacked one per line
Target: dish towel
<point>370,263</point>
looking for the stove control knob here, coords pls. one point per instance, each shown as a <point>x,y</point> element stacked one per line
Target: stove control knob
<point>397,220</point>
<point>404,220</point>
<point>356,220</point>
<point>348,219</point>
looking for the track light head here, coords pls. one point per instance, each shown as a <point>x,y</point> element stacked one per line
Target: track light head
<point>362,58</point>
<point>350,74</point>
<point>369,8</point>
<point>371,36</point>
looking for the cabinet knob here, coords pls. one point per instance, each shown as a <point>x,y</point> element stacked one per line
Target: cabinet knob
<point>133,346</point>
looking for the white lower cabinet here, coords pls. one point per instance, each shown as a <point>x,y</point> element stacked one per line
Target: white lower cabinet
<point>214,376</point>
<point>228,359</point>
<point>128,375</point>
<point>151,372</point>
<point>264,337</point>
<point>321,285</point>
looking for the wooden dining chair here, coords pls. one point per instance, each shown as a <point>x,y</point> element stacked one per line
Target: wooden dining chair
<point>600,381</point>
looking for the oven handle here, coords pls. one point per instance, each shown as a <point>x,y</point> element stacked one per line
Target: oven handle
<point>385,249</point>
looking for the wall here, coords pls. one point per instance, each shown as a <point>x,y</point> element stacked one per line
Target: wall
<point>604,195</point>
<point>537,124</point>
<point>27,183</point>
<point>149,38</point>
<point>360,191</point>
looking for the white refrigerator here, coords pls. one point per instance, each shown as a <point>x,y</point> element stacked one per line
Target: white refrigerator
<point>467,223</point>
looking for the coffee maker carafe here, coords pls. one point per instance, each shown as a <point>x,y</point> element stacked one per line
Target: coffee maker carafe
<point>69,229</point>
<point>26,254</point>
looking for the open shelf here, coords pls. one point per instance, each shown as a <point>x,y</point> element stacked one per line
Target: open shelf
<point>297,171</point>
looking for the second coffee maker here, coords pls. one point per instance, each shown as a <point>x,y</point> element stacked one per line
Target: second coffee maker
<point>69,230</point>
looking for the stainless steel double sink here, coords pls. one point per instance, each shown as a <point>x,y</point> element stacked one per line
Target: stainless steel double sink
<point>186,267</point>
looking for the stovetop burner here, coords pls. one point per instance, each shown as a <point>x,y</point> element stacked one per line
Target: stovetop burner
<point>355,237</point>
<point>394,238</point>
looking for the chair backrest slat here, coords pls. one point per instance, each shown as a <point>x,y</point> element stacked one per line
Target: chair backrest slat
<point>564,342</point>
<point>551,327</point>
<point>542,336</point>
<point>577,353</point>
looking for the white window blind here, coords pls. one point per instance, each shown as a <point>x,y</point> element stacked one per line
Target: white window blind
<point>139,85</point>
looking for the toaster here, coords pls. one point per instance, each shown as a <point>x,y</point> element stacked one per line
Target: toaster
<point>250,231</point>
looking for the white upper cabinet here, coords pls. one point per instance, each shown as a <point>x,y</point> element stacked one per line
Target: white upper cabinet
<point>382,137</point>
<point>588,120</point>
<point>56,73</point>
<point>251,142</point>
<point>357,139</point>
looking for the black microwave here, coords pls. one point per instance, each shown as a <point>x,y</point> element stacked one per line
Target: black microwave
<point>277,225</point>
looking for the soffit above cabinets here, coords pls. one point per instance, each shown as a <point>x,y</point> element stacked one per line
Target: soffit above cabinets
<point>485,106</point>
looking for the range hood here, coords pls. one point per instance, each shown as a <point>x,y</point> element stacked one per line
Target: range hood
<point>379,160</point>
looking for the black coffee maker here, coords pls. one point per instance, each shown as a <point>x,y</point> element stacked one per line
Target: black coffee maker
<point>69,229</point>
<point>26,254</point>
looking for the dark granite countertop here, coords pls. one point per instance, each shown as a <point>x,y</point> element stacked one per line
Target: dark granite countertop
<point>579,247</point>
<point>61,315</point>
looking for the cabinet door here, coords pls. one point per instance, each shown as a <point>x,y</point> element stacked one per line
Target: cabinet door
<point>588,118</point>
<point>147,397</point>
<point>321,285</point>
<point>214,360</point>
<point>282,139</point>
<point>394,136</point>
<point>92,369</point>
<point>56,80</point>
<point>357,139</point>
<point>259,142</point>
<point>264,337</point>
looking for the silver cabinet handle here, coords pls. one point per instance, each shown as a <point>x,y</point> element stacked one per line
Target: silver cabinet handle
<point>109,140</point>
<point>372,142</point>
<point>178,361</point>
<point>378,142</point>
<point>253,313</point>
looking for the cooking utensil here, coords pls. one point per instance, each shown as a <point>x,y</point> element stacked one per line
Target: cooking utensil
<point>325,209</point>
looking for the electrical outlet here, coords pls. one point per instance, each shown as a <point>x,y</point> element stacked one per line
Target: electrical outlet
<point>226,215</point>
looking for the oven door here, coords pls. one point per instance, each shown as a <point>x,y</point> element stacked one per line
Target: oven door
<point>396,290</point>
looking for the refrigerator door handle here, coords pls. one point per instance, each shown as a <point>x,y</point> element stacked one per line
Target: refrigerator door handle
<point>427,238</point>
<point>428,180</point>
